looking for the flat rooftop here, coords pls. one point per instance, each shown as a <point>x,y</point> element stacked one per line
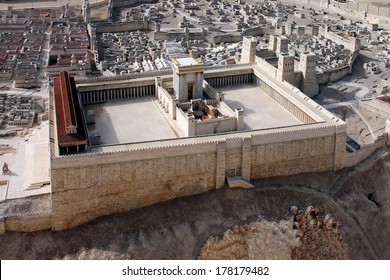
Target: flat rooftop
<point>186,61</point>
<point>129,121</point>
<point>261,111</point>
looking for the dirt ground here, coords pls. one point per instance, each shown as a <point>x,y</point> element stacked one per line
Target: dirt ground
<point>358,198</point>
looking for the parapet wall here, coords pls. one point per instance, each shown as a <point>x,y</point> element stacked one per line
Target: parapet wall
<point>26,222</point>
<point>87,186</point>
<point>351,44</point>
<point>365,151</point>
<point>333,75</point>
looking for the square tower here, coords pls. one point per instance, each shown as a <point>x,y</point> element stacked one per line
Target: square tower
<point>248,52</point>
<point>187,78</point>
<point>308,83</point>
<point>281,45</point>
<point>272,42</point>
<point>286,68</point>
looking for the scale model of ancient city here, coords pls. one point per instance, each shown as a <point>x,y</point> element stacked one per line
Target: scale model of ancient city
<point>111,106</point>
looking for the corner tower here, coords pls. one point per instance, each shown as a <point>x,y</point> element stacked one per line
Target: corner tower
<point>248,50</point>
<point>281,45</point>
<point>286,68</point>
<point>308,83</point>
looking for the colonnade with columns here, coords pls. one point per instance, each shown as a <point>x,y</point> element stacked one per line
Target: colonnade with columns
<point>240,79</point>
<point>103,95</point>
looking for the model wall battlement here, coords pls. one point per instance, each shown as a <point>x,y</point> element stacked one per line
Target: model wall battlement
<point>294,132</point>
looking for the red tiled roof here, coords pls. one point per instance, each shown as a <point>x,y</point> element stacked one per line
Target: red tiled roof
<point>68,111</point>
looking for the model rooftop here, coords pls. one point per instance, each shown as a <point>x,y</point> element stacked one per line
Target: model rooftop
<point>186,61</point>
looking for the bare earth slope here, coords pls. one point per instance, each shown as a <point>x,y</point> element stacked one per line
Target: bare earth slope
<point>358,198</point>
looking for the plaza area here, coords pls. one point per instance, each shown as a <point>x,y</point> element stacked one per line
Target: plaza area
<point>28,160</point>
<point>129,121</point>
<point>261,111</point>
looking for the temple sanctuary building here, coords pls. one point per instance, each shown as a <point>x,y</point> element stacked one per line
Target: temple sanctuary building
<point>191,101</point>
<point>126,142</point>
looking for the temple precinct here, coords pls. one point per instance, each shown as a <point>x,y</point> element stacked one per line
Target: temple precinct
<point>123,143</point>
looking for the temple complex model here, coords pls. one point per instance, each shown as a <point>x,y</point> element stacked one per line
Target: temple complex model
<point>115,105</point>
<point>151,139</point>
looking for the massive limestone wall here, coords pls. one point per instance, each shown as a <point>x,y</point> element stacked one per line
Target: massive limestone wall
<point>87,186</point>
<point>333,75</point>
<point>309,151</point>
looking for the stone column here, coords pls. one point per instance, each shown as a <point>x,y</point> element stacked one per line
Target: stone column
<point>221,164</point>
<point>246,158</point>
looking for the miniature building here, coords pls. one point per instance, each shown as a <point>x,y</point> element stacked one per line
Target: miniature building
<point>189,100</point>
<point>187,78</point>
<point>71,136</point>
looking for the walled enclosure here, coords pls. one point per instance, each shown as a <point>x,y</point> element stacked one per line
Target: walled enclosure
<point>117,178</point>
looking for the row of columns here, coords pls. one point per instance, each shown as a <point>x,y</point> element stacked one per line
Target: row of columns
<point>73,149</point>
<point>118,93</point>
<point>284,102</point>
<point>230,80</point>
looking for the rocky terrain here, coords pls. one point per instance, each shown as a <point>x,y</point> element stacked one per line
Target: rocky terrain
<point>306,235</point>
<point>356,198</point>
